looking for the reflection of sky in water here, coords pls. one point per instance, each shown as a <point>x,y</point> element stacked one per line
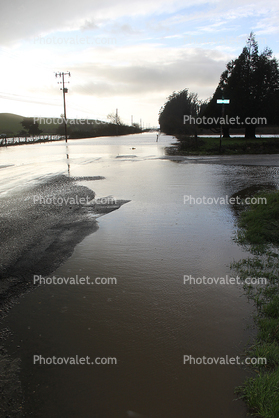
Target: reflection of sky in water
<point>29,163</point>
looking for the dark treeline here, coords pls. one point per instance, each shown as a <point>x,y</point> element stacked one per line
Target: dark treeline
<point>99,129</point>
<point>250,82</point>
<point>77,128</point>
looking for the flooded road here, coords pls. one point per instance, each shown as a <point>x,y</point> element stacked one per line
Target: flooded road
<point>149,318</point>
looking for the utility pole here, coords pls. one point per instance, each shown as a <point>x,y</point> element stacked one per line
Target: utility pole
<point>64,90</point>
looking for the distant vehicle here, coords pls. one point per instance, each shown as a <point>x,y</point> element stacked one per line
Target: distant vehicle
<point>3,136</point>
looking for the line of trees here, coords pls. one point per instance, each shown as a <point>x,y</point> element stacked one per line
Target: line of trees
<point>93,128</point>
<point>250,82</point>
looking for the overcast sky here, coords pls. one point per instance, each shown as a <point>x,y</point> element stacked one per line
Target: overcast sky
<point>124,54</point>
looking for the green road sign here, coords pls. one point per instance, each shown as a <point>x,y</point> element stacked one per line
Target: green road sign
<point>223,101</point>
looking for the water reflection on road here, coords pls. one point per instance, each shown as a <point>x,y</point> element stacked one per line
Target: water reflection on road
<point>149,320</point>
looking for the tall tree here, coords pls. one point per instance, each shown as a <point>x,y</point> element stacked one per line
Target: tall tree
<point>171,115</point>
<point>251,82</point>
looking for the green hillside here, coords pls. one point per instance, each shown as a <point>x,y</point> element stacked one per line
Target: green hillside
<point>10,124</point>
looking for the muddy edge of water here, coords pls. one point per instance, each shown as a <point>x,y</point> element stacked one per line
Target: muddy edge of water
<point>39,236</point>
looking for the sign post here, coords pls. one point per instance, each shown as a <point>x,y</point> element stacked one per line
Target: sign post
<point>222,102</point>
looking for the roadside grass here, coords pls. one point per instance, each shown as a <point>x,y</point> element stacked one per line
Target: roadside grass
<point>260,226</point>
<point>230,146</point>
<point>262,394</point>
<point>259,232</point>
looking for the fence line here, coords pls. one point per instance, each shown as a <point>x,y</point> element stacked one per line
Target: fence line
<point>29,139</point>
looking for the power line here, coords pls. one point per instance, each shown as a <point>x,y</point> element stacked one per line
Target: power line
<point>16,56</point>
<point>26,99</point>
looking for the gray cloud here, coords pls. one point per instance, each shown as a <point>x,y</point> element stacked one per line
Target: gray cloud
<point>89,25</point>
<point>26,18</point>
<point>198,70</point>
<point>23,19</point>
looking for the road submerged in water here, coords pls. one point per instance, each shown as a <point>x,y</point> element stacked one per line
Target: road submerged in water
<point>149,319</point>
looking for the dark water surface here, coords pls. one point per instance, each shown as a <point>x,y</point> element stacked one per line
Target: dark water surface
<point>149,320</point>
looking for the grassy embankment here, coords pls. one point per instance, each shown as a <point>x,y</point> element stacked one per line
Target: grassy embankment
<point>259,232</point>
<point>230,146</point>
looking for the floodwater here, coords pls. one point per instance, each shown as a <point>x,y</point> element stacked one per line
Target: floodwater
<point>150,319</point>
